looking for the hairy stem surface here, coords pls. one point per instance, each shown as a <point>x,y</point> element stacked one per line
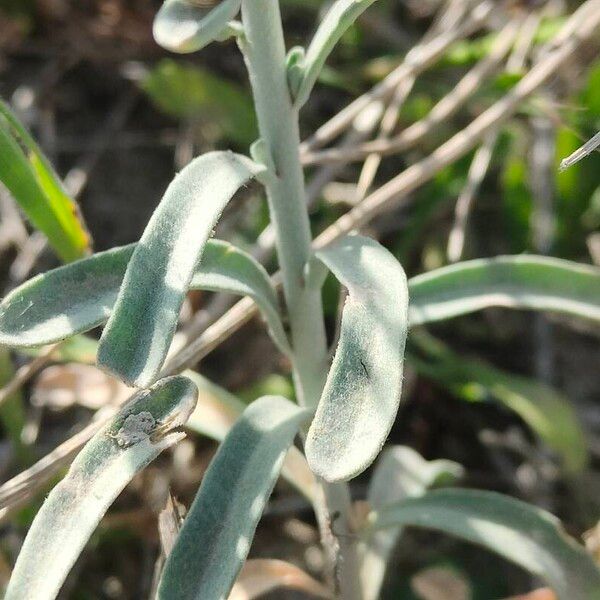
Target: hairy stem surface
<point>264,51</point>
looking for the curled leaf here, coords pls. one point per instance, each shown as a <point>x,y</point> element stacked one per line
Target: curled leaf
<point>362,393</point>
<point>141,430</point>
<point>186,26</point>
<point>80,296</point>
<point>138,334</point>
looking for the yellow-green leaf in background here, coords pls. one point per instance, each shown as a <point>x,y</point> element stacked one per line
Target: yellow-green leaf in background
<point>188,92</point>
<point>35,186</point>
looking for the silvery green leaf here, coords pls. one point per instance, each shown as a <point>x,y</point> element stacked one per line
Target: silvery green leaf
<point>63,302</point>
<point>521,533</point>
<point>400,473</point>
<point>186,26</point>
<point>216,413</point>
<point>138,334</point>
<point>121,449</point>
<point>361,396</point>
<point>80,296</point>
<point>218,530</point>
<point>338,19</point>
<point>225,268</point>
<point>529,282</point>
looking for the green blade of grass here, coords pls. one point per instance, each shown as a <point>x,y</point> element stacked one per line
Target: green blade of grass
<point>35,186</point>
<point>547,412</point>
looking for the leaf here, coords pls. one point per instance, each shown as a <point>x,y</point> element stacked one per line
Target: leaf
<point>361,396</point>
<point>400,473</point>
<point>63,302</point>
<point>225,268</point>
<point>186,26</point>
<point>189,92</point>
<point>138,334</point>
<point>261,576</point>
<point>107,463</point>
<point>528,282</point>
<point>217,412</point>
<point>338,19</point>
<point>217,533</point>
<point>521,533</point>
<point>548,413</point>
<point>35,186</point>
<point>80,296</point>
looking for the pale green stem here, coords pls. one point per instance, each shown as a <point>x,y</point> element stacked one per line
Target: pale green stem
<point>264,51</point>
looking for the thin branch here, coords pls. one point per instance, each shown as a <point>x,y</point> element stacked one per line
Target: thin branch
<point>26,372</point>
<point>581,153</point>
<point>477,171</point>
<point>391,193</point>
<point>416,61</point>
<point>440,113</point>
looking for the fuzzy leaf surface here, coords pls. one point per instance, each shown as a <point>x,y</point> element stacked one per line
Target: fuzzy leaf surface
<point>336,22</point>
<point>362,392</point>
<point>521,533</point>
<point>216,413</point>
<point>77,297</point>
<point>107,463</point>
<point>216,535</point>
<point>526,282</point>
<point>138,334</point>
<point>183,26</point>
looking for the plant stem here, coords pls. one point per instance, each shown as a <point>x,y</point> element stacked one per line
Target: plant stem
<point>264,51</point>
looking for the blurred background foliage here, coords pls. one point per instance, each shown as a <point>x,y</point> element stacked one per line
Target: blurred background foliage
<point>117,117</point>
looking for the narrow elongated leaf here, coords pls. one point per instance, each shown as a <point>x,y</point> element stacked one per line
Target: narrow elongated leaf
<point>400,473</point>
<point>139,332</point>
<point>339,18</point>
<point>521,533</point>
<point>362,392</point>
<point>529,282</point>
<point>35,186</point>
<point>216,535</point>
<point>225,268</point>
<point>80,296</point>
<point>186,26</point>
<point>216,413</point>
<point>65,301</point>
<point>548,413</point>
<point>120,450</point>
